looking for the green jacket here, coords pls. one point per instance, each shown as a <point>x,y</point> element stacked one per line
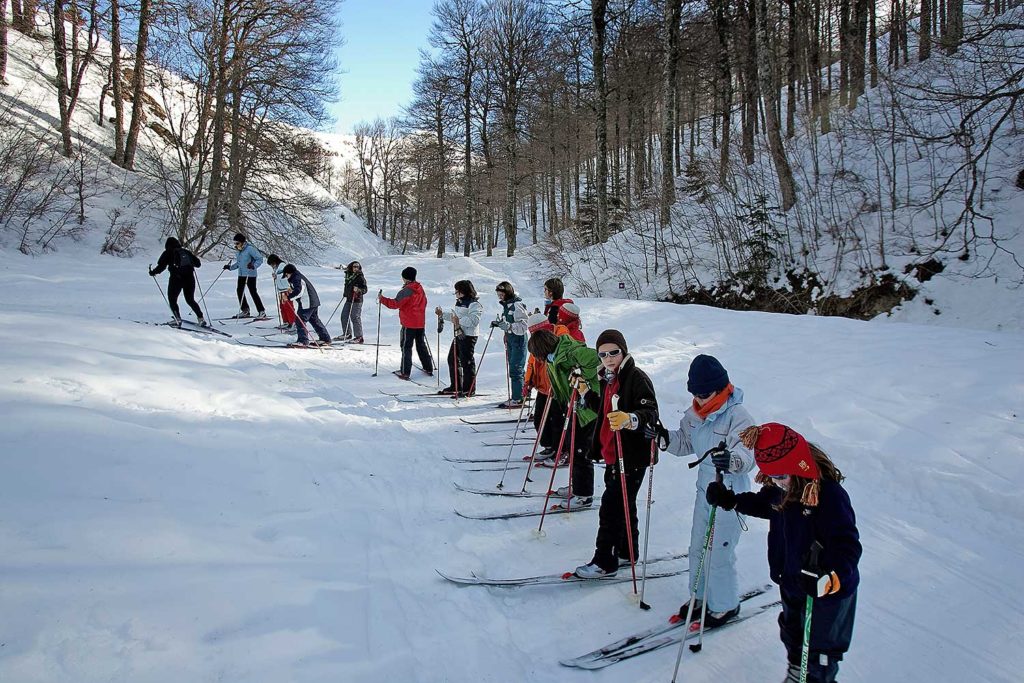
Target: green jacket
<point>570,354</point>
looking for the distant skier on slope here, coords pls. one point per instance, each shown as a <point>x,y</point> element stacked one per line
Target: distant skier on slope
<point>180,264</point>
<point>247,260</point>
<point>813,544</point>
<point>716,415</point>
<point>637,409</point>
<point>465,317</point>
<point>411,303</point>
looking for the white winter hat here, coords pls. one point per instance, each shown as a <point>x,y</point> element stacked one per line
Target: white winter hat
<point>536,320</point>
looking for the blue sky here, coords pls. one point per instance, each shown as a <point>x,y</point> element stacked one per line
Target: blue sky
<point>379,58</point>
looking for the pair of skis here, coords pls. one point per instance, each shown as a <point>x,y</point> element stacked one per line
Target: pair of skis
<point>186,326</point>
<point>564,578</point>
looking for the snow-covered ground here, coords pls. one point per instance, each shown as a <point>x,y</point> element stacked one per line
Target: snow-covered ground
<point>177,507</point>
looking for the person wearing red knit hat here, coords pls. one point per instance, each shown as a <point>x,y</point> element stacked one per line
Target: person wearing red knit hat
<point>813,544</point>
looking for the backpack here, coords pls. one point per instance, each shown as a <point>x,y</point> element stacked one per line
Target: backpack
<point>185,259</point>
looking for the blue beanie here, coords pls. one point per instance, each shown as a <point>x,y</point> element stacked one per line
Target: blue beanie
<point>706,375</point>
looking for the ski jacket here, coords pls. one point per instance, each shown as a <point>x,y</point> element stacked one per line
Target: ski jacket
<point>697,436</point>
<point>636,396</point>
<point>180,263</point>
<point>280,281</point>
<point>247,260</point>
<point>569,355</point>
<point>551,309</point>
<point>469,311</point>
<point>302,291</point>
<point>411,303</point>
<point>515,314</point>
<point>355,287</point>
<point>792,531</point>
<point>572,323</point>
<point>536,374</point>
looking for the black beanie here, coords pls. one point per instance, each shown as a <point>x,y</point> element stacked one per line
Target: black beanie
<point>612,337</point>
<point>706,375</point>
<point>409,273</point>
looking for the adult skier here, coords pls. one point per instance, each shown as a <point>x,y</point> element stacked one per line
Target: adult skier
<point>411,303</point>
<point>715,415</point>
<point>813,544</point>
<point>180,264</point>
<point>465,319</point>
<point>247,260</point>
<point>513,323</point>
<point>352,311</point>
<point>637,410</point>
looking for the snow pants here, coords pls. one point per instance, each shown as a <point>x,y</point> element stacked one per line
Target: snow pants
<point>463,349</point>
<point>515,347</point>
<point>831,631</point>
<point>723,586</point>
<point>310,315</point>
<point>186,286</point>
<point>249,282</point>
<point>352,314</point>
<point>410,336</point>
<point>612,541</point>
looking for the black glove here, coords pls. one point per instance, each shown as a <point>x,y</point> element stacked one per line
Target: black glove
<point>227,266</point>
<point>722,459</point>
<point>495,323</point>
<point>656,431</point>
<point>151,273</point>
<point>718,494</point>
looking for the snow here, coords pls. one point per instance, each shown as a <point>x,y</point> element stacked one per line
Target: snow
<point>180,507</point>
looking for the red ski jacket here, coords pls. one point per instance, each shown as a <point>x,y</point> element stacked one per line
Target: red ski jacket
<point>411,303</point>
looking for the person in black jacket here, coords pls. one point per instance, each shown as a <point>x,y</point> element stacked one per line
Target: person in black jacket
<point>307,302</point>
<point>813,543</point>
<point>180,264</point>
<point>637,409</point>
<point>352,311</point>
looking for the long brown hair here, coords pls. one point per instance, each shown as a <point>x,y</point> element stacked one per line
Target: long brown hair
<point>803,490</point>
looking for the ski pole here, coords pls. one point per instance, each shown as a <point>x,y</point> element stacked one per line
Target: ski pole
<point>336,310</point>
<point>625,500</point>
<point>277,298</point>
<point>536,441</point>
<point>214,282</point>
<point>709,536</point>
<point>647,522</point>
<point>376,360</point>
<point>201,297</point>
<point>162,296</point>
<point>805,647</point>
<point>305,329</point>
<point>480,364</point>
<point>696,647</point>
<point>501,484</point>
<point>570,414</point>
<point>572,455</point>
<point>456,382</point>
<point>440,327</point>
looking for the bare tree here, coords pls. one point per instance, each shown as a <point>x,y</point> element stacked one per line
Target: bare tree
<point>599,22</point>
<point>138,84</point>
<point>3,43</point>
<point>71,73</point>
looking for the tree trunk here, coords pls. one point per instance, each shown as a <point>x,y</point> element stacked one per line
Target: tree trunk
<point>139,85</point>
<point>3,42</point>
<point>724,85</point>
<point>924,43</point>
<point>598,11</point>
<point>791,41</point>
<point>787,185</point>
<point>115,69</point>
<point>213,195</point>
<point>673,11</point>
<point>60,59</point>
<point>748,12</point>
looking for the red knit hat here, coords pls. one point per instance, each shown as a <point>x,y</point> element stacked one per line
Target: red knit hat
<point>779,451</point>
<point>539,321</point>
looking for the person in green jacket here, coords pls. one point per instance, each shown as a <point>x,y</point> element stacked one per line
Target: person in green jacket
<point>566,360</point>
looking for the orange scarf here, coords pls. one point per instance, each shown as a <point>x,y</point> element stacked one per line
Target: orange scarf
<point>714,404</point>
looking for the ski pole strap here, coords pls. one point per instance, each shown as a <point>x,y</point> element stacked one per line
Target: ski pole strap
<point>719,447</point>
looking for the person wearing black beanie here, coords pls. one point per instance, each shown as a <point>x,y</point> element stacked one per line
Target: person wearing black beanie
<point>635,414</point>
<point>409,274</point>
<point>411,304</point>
<point>180,264</point>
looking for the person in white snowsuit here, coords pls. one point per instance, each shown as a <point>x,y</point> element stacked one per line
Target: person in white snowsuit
<point>465,317</point>
<point>716,415</point>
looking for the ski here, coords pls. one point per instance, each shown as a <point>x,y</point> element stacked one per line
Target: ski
<point>257,320</point>
<point>658,637</point>
<point>556,509</point>
<point>499,492</point>
<point>186,326</point>
<point>488,422</point>
<point>564,578</point>
<point>507,444</point>
<point>494,467</point>
<point>473,461</point>
<point>311,347</point>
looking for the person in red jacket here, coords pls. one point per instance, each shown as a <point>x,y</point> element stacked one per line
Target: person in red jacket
<point>411,303</point>
<point>554,291</point>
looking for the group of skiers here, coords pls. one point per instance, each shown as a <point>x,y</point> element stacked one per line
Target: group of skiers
<point>297,297</point>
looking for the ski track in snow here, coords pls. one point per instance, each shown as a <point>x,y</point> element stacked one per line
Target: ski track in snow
<point>175,506</point>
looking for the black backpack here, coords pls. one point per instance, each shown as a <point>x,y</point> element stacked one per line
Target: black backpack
<point>186,259</point>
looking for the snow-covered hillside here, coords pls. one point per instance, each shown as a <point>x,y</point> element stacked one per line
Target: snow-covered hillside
<point>177,507</point>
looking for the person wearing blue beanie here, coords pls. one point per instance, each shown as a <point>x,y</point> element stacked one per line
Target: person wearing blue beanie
<point>706,375</point>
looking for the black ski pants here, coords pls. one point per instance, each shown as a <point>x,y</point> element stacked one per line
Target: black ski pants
<point>410,336</point>
<point>552,428</point>
<point>612,541</point>
<point>465,348</point>
<point>183,285</point>
<point>249,282</point>
<point>582,467</point>
<point>831,631</point>
<point>311,318</point>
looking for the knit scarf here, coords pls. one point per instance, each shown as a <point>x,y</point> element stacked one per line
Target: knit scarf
<point>714,404</point>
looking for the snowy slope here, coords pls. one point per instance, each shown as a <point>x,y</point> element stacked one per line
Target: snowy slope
<point>177,507</point>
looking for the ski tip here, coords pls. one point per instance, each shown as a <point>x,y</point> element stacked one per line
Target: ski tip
<point>568,575</point>
<point>674,619</point>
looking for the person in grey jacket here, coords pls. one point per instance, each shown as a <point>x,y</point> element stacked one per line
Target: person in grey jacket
<point>717,415</point>
<point>307,301</point>
<point>247,260</point>
<point>465,317</point>
<point>513,322</point>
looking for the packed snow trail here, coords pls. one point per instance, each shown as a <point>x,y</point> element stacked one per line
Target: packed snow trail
<point>177,506</point>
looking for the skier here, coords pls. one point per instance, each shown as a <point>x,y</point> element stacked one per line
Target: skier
<point>352,311</point>
<point>716,415</point>
<point>301,290</point>
<point>565,357</point>
<point>806,505</point>
<point>465,317</point>
<point>411,303</point>
<point>282,286</point>
<point>554,290</point>
<point>181,279</point>
<point>247,260</point>
<point>536,377</point>
<point>513,322</point>
<point>637,410</point>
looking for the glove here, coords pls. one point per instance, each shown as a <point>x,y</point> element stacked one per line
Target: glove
<point>227,266</point>
<point>577,382</point>
<point>819,585</point>
<point>619,420</point>
<point>526,390</point>
<point>505,325</point>
<point>723,461</point>
<point>495,323</point>
<point>151,273</point>
<point>655,431</point>
<point>438,311</point>
<point>717,494</point>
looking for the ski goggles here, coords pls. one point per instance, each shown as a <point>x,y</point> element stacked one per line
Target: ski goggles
<point>609,354</point>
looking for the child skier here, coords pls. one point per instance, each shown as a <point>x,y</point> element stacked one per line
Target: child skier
<point>411,303</point>
<point>637,410</point>
<point>352,311</point>
<point>181,279</point>
<point>716,415</point>
<point>513,322</point>
<point>554,292</point>
<point>301,290</point>
<point>247,260</point>
<point>813,544</point>
<point>465,319</point>
<point>281,286</point>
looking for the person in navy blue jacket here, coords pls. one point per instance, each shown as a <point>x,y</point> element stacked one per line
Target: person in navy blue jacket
<point>307,304</point>
<point>813,543</point>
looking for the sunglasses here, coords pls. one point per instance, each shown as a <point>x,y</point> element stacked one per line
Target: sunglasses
<point>609,354</point>
<point>705,396</point>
